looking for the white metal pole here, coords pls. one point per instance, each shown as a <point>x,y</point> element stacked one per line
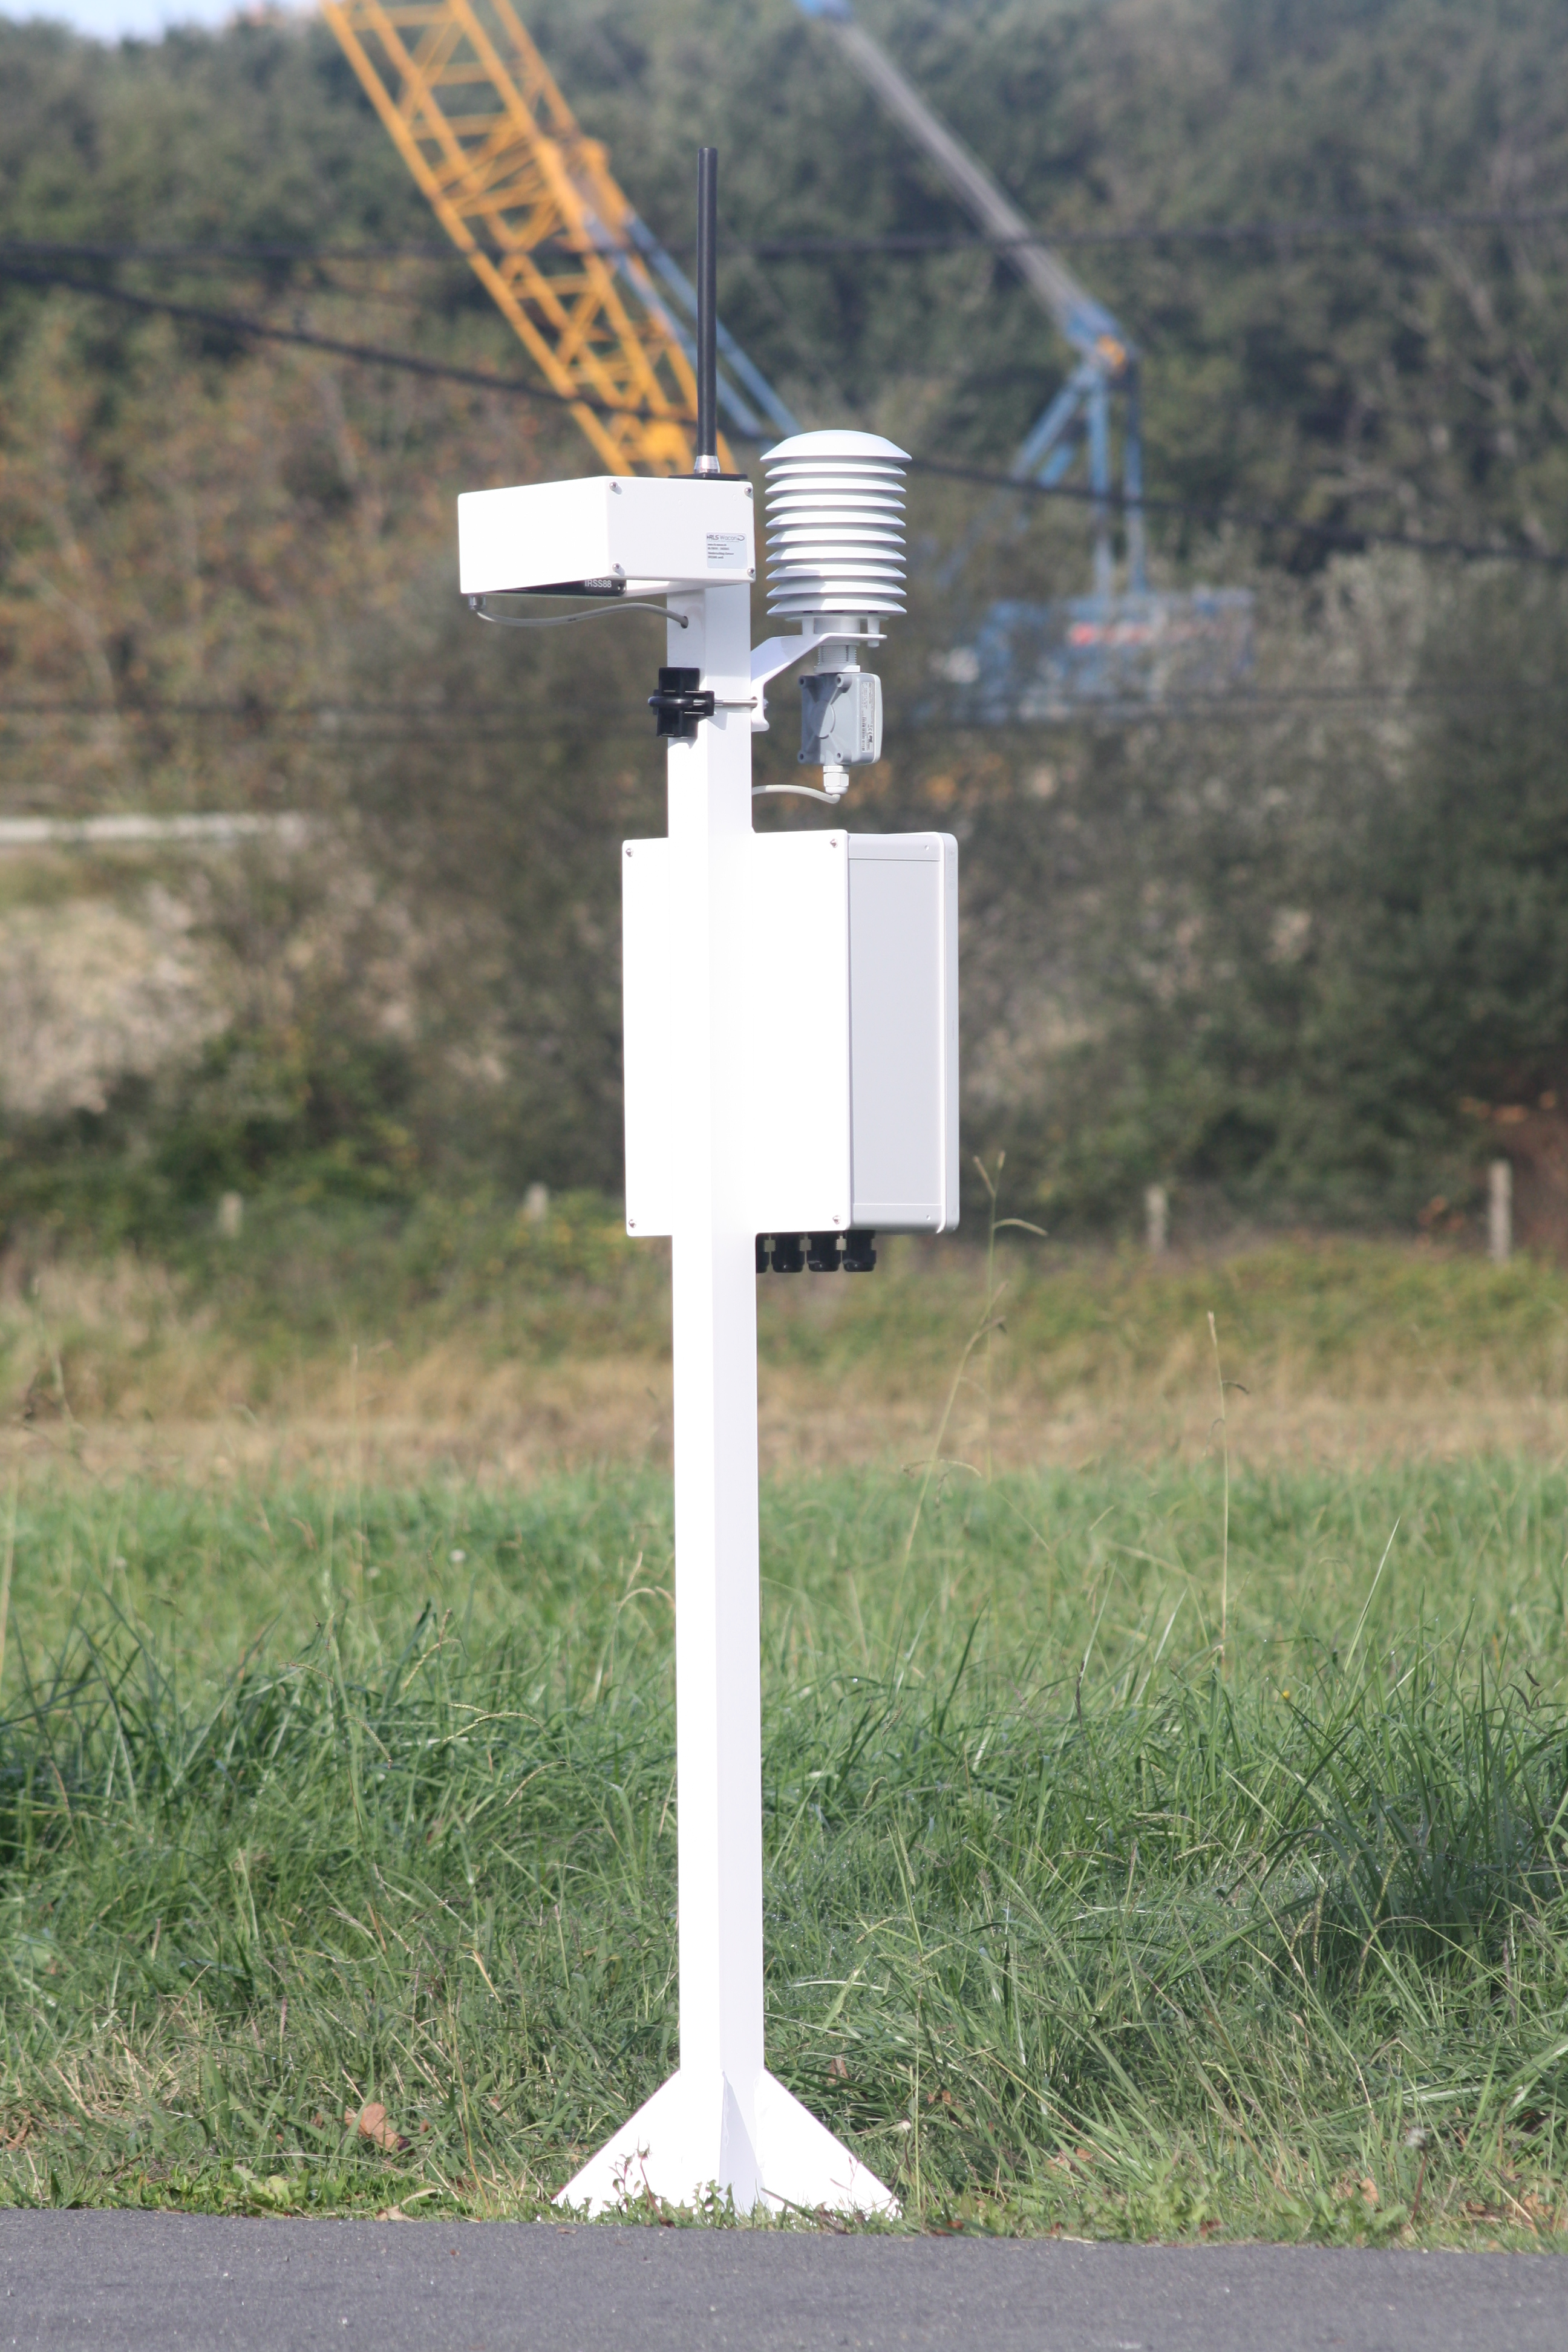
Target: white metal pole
<point>717,1634</point>
<point>721,2122</point>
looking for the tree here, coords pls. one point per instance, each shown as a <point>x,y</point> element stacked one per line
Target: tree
<point>1438,1033</point>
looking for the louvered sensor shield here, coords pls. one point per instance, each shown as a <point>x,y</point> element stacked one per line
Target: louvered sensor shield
<point>836,525</point>
<point>835,565</point>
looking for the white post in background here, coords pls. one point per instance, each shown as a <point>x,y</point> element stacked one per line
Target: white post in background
<point>1156,1211</point>
<point>1500,1211</point>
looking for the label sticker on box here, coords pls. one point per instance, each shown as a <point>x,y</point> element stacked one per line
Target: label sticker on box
<point>726,550</point>
<point>867,743</point>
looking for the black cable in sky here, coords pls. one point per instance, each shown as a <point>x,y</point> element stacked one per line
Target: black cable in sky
<point>1317,227</point>
<point>485,723</point>
<point>373,355</point>
<point>1325,227</point>
<point>236,322</point>
<point>1331,534</point>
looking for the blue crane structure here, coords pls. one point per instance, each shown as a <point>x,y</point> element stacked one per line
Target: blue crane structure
<point>1116,646</point>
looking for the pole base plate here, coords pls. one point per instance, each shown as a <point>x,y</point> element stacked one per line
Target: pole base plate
<point>690,2143</point>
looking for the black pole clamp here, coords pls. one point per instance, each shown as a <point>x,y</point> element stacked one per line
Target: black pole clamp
<point>680,703</point>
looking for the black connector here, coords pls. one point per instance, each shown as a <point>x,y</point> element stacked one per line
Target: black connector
<point>762,1252</point>
<point>859,1251</point>
<point>788,1256</point>
<point>822,1253</point>
<point>681,702</point>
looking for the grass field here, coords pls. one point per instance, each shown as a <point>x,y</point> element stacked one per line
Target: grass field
<point>1135,1865</point>
<point>1073,1920</point>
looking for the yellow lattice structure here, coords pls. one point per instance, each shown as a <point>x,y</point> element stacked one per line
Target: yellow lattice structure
<point>532,204</point>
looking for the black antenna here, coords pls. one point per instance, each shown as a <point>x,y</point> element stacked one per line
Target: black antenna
<point>707,310</point>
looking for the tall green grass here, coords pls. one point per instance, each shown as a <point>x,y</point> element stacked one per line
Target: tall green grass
<point>310,1803</point>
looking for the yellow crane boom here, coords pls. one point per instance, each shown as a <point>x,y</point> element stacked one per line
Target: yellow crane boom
<point>532,204</point>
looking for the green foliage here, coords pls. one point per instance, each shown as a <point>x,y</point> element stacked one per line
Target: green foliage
<point>321,1108</point>
<point>312,1272</point>
<point>1330,966</point>
<point>1269,963</point>
<point>307,1804</point>
<point>1447,973</point>
<point>1319,377</point>
<point>1417,372</point>
<point>257,134</point>
<point>305,1117</point>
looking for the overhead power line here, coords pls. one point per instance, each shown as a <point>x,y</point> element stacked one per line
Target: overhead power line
<point>1351,535</point>
<point>1319,228</point>
<point>241,323</point>
<point>1329,228</point>
<point>27,249</point>
<point>236,322</point>
<point>250,709</point>
<point>481,722</point>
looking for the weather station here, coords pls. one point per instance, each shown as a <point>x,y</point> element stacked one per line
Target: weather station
<point>791,1055</point>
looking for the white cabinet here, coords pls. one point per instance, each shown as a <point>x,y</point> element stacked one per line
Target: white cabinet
<point>846,1009</point>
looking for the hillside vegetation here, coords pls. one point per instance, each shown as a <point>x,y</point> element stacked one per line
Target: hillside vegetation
<point>1311,958</point>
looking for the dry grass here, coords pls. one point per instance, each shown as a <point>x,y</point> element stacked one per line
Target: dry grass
<point>1344,1353</point>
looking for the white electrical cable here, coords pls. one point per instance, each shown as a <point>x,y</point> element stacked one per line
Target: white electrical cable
<point>804,792</point>
<point>565,620</point>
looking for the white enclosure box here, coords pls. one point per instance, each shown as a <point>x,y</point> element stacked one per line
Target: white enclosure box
<point>849,1106</point>
<point>605,528</point>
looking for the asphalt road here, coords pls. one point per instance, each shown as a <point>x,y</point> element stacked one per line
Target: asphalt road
<point>169,2281</point>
